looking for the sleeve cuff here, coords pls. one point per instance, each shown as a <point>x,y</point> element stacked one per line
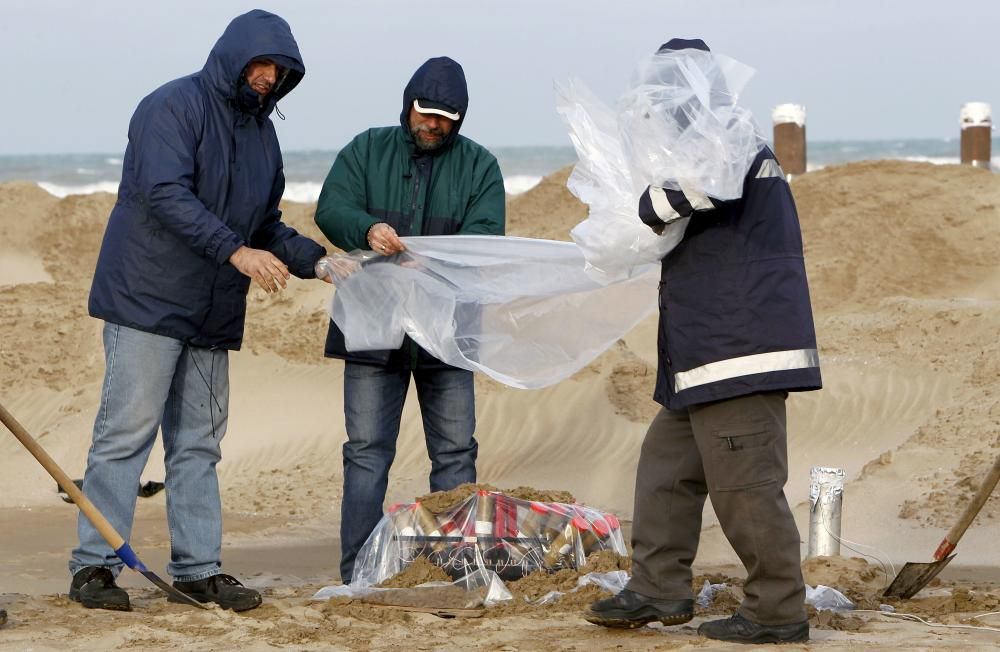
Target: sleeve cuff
<point>224,244</point>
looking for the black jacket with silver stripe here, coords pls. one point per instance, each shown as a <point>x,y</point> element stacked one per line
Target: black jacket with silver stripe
<point>735,315</point>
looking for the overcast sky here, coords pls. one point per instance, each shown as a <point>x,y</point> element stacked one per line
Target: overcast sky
<point>865,69</point>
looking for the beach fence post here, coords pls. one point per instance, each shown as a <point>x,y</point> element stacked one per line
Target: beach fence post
<point>826,500</point>
<point>977,134</point>
<point>790,137</point>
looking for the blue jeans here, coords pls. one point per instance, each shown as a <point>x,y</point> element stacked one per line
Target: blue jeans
<point>373,406</point>
<point>154,382</point>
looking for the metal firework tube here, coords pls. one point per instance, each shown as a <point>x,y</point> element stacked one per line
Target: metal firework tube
<point>429,526</point>
<point>585,536</point>
<point>404,523</point>
<point>505,524</point>
<point>558,518</point>
<point>560,547</point>
<point>616,540</point>
<point>529,529</point>
<point>602,533</point>
<point>485,506</point>
<point>535,517</point>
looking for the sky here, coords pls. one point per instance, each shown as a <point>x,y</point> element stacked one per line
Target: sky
<point>864,69</point>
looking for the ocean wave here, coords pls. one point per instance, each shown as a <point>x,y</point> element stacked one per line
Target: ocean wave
<point>935,160</point>
<point>82,189</point>
<point>515,184</point>
<point>305,192</point>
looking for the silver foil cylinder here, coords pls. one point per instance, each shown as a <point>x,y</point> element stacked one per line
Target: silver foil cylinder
<point>826,500</point>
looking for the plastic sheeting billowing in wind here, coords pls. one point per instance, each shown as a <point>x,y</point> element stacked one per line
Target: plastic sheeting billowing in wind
<point>530,313</point>
<point>677,126</point>
<point>520,310</point>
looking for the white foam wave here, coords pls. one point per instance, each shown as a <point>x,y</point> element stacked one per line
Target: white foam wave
<point>518,183</point>
<point>935,160</point>
<point>308,191</point>
<point>83,189</point>
<point>305,192</point>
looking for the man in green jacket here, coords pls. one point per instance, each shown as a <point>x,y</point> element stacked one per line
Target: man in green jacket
<point>421,178</point>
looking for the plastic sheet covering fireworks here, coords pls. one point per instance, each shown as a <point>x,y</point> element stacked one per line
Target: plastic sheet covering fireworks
<point>523,311</point>
<point>488,531</point>
<point>678,126</point>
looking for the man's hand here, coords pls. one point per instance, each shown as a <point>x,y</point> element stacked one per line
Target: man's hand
<point>383,240</point>
<point>262,266</point>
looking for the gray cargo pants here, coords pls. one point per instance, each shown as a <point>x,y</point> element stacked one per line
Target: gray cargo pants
<point>735,451</point>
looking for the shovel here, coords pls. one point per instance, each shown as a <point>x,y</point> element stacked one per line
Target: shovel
<point>121,547</point>
<point>915,576</point>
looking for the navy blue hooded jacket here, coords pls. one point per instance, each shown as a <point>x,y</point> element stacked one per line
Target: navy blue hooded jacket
<point>202,176</point>
<point>735,314</point>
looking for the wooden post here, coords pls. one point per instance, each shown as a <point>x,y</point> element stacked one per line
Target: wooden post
<point>977,134</point>
<point>790,137</point>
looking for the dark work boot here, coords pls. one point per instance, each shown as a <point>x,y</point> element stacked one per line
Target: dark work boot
<point>224,590</point>
<point>740,630</point>
<point>629,610</point>
<point>94,587</point>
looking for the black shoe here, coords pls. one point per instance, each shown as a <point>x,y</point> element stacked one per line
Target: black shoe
<point>224,590</point>
<point>629,610</point>
<point>740,630</point>
<point>94,587</point>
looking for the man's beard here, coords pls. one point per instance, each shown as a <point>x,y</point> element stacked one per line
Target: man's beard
<point>423,145</point>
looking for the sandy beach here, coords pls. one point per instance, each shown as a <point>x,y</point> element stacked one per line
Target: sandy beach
<point>905,280</point>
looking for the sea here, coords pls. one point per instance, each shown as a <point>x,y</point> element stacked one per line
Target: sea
<point>522,167</point>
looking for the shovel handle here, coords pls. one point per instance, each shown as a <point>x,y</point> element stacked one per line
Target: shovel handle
<point>982,495</point>
<point>65,482</point>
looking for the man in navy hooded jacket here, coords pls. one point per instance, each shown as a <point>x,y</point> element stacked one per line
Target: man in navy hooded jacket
<point>196,220</point>
<point>418,178</point>
<point>736,335</point>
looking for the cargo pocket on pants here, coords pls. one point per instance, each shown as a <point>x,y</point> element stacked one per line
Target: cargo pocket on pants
<point>743,457</point>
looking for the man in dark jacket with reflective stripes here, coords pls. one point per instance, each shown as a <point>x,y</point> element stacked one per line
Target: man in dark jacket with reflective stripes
<point>736,335</point>
<point>196,219</point>
<point>419,178</point>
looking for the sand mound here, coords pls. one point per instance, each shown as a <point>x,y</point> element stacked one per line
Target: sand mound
<point>882,229</point>
<point>546,211</point>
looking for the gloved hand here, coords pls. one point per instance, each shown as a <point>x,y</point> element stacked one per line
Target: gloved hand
<point>336,269</point>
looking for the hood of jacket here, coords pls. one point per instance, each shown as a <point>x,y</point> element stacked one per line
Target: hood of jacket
<point>440,79</point>
<point>252,35</point>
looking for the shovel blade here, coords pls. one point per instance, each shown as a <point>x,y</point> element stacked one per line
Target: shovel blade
<point>180,596</point>
<point>913,577</point>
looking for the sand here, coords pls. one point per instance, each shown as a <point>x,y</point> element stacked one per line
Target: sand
<point>905,277</point>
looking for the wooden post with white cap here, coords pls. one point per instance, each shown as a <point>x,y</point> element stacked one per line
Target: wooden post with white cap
<point>790,137</point>
<point>977,134</point>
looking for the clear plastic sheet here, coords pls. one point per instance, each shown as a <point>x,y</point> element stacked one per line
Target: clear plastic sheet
<point>677,126</point>
<point>827,598</point>
<point>480,588</point>
<point>487,532</point>
<point>520,310</point>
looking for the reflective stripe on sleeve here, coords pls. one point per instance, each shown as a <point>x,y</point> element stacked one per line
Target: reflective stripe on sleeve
<point>747,365</point>
<point>770,168</point>
<point>661,205</point>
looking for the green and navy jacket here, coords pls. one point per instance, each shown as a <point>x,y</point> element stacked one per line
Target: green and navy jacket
<point>380,176</point>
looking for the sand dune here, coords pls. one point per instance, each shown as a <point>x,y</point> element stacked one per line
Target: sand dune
<point>906,286</point>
